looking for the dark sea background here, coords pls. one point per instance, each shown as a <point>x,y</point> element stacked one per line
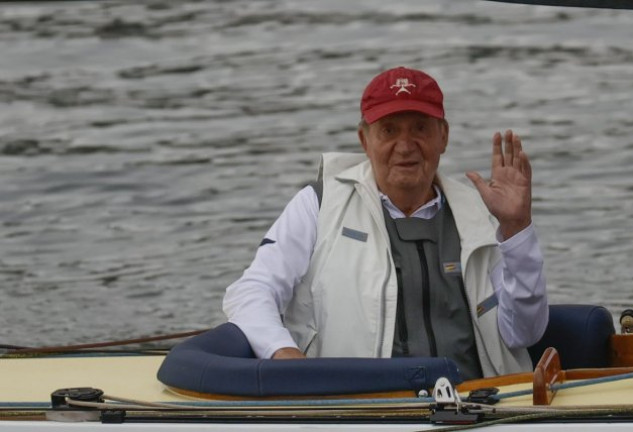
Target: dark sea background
<point>146,147</point>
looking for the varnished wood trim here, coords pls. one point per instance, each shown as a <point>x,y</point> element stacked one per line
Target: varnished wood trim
<point>546,373</point>
<point>222,397</point>
<point>621,350</point>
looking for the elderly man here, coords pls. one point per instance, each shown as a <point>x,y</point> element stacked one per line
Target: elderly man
<point>383,256</point>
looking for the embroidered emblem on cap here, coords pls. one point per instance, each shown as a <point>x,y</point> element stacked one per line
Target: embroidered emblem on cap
<point>402,84</point>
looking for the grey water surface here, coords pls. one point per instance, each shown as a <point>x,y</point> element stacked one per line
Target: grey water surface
<point>145,147</point>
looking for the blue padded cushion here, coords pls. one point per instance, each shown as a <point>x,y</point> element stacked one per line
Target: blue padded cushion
<point>580,334</point>
<point>221,361</point>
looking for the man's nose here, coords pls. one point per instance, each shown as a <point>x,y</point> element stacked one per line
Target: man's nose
<point>405,142</point>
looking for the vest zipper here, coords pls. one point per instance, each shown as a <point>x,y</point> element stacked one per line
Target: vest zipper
<point>403,333</point>
<point>426,299</point>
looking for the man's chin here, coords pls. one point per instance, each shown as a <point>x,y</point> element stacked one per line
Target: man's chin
<point>407,184</point>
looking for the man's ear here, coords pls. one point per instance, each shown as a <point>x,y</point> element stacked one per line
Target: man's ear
<point>362,137</point>
<point>444,129</point>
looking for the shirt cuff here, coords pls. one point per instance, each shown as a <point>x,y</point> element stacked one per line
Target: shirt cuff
<point>523,239</point>
<point>279,344</point>
<point>275,338</point>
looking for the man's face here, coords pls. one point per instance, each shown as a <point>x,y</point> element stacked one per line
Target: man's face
<point>404,150</point>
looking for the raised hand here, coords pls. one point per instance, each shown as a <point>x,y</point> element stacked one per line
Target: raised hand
<point>508,193</point>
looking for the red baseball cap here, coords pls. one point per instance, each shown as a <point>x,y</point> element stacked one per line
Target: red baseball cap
<point>401,89</point>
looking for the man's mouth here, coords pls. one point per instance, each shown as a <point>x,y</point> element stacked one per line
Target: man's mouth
<point>407,164</point>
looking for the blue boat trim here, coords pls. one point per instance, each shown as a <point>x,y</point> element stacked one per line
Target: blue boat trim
<point>221,361</point>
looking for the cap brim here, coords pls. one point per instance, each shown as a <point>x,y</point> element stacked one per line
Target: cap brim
<point>380,111</point>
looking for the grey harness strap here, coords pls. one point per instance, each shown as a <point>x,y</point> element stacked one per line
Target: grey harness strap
<point>433,316</point>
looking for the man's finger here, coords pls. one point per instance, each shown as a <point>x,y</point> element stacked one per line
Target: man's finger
<point>497,154</point>
<point>477,181</point>
<point>518,150</point>
<point>526,166</point>
<point>509,148</point>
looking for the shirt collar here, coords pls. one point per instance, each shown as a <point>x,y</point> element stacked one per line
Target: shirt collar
<point>426,211</point>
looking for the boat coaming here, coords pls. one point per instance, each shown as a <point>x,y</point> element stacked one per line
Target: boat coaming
<point>25,401</point>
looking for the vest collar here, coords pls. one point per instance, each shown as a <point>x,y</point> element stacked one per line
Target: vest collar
<point>355,168</point>
<point>468,214</point>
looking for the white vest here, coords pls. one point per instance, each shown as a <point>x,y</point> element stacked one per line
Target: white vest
<point>345,306</point>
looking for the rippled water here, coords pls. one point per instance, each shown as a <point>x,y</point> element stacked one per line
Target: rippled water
<point>145,148</point>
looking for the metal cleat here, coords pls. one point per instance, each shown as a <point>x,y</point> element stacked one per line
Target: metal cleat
<point>448,407</point>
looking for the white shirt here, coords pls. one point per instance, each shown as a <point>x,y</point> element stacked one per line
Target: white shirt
<point>257,300</point>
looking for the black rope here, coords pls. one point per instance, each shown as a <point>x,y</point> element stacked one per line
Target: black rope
<point>606,4</point>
